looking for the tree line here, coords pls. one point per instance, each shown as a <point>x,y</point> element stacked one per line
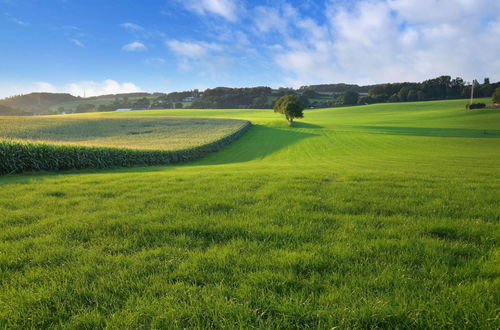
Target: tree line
<point>261,97</point>
<point>439,88</point>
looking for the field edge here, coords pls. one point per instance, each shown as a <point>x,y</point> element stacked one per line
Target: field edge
<point>19,157</point>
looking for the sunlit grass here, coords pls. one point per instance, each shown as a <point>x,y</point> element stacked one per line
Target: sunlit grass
<point>139,133</point>
<point>382,216</point>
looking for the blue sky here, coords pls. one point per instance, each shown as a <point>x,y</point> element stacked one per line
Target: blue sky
<point>113,46</point>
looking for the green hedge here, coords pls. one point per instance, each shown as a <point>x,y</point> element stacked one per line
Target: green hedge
<point>17,157</point>
<point>472,106</point>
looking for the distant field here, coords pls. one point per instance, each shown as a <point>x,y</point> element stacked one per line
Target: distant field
<point>380,216</point>
<point>138,133</point>
<point>72,105</point>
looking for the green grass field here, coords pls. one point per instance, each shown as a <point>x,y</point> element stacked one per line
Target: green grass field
<point>381,216</point>
<point>96,101</point>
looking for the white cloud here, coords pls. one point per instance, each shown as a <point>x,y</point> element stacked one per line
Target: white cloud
<point>139,32</point>
<point>270,19</point>
<point>193,50</point>
<point>155,60</point>
<point>208,58</point>
<point>443,11</point>
<point>275,19</point>
<point>77,42</point>
<point>132,27</point>
<point>93,88</point>
<point>135,46</point>
<point>16,20</point>
<point>224,8</point>
<point>80,88</point>
<point>43,86</point>
<point>387,40</point>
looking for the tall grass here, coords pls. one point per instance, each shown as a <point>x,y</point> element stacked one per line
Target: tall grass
<point>372,217</point>
<point>17,157</point>
<point>153,133</point>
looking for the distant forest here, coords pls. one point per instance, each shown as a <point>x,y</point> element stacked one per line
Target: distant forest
<point>313,96</point>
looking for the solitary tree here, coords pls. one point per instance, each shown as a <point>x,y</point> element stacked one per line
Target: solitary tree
<point>496,96</point>
<point>290,106</point>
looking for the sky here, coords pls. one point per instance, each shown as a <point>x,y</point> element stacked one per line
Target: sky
<point>94,47</point>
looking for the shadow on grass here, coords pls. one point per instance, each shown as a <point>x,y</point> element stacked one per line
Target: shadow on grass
<point>434,132</point>
<point>299,124</point>
<point>260,142</point>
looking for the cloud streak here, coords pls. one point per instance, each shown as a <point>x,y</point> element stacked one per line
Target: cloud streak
<point>210,59</point>
<point>77,88</point>
<point>132,27</point>
<point>78,43</point>
<point>16,20</point>
<point>89,88</point>
<point>227,9</point>
<point>135,46</point>
<point>191,49</point>
<point>93,88</point>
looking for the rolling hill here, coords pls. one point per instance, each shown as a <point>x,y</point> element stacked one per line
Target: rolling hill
<point>380,216</point>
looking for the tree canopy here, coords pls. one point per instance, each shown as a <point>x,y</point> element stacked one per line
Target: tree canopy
<point>496,96</point>
<point>291,106</point>
<point>350,97</point>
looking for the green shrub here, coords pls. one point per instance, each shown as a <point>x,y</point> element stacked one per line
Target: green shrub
<point>471,106</point>
<point>496,96</point>
<point>17,157</point>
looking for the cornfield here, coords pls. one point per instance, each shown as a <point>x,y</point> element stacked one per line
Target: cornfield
<point>18,157</point>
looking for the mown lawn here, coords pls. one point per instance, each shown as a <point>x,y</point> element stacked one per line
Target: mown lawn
<point>382,216</point>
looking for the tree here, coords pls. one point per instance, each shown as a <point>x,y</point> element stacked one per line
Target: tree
<point>412,95</point>
<point>9,111</point>
<point>259,102</point>
<point>88,107</point>
<point>496,96</point>
<point>394,98</point>
<point>105,107</point>
<point>350,97</point>
<point>142,103</point>
<point>403,94</point>
<point>486,88</point>
<point>310,93</point>
<point>291,106</point>
<point>366,100</point>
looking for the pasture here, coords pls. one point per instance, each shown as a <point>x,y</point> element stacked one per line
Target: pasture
<point>380,216</point>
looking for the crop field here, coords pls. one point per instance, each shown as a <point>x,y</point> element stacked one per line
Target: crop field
<point>380,216</point>
<point>159,133</point>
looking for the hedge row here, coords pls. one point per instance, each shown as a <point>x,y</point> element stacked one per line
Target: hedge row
<point>472,106</point>
<point>17,157</point>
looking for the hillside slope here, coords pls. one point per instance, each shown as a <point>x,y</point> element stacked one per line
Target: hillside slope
<point>36,103</point>
<point>382,216</point>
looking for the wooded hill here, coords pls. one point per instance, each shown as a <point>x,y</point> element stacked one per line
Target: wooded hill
<point>262,97</point>
<point>9,111</point>
<point>36,103</point>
